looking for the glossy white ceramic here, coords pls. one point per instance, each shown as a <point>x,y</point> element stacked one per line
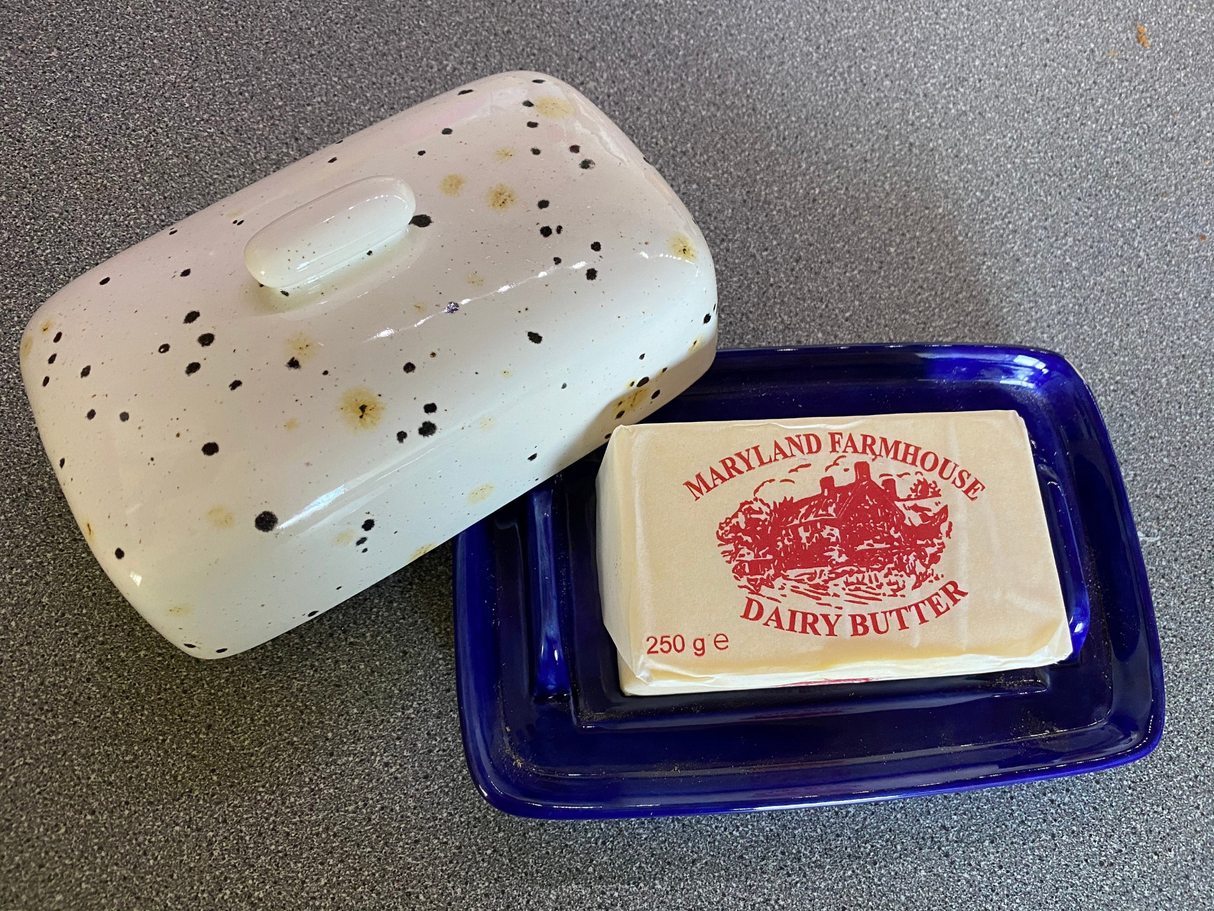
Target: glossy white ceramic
<point>244,454</point>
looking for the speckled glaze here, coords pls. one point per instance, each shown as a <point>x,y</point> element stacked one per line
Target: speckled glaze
<point>241,457</point>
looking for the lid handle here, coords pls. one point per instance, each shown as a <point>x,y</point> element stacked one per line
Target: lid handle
<point>331,231</point>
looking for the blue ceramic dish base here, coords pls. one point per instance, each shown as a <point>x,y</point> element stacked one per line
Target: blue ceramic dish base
<point>548,732</point>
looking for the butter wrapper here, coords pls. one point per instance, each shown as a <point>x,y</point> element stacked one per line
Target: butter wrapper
<point>744,554</point>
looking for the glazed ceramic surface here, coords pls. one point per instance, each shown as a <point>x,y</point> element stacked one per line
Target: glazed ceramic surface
<point>266,408</point>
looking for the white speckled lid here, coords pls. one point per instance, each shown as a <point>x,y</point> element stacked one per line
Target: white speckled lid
<point>264,409</point>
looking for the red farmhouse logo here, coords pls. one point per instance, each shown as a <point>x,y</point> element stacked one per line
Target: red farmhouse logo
<point>848,544</point>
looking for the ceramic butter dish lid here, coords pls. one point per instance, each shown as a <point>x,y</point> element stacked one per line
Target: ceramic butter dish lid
<point>264,409</point>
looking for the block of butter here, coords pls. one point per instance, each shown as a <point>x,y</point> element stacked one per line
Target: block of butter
<point>744,554</point>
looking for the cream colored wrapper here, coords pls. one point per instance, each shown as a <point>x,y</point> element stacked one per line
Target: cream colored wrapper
<point>743,554</point>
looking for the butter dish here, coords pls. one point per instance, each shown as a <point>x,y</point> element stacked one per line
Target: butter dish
<point>549,732</point>
<point>260,411</point>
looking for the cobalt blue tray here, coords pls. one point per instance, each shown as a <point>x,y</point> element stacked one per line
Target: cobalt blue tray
<point>548,732</point>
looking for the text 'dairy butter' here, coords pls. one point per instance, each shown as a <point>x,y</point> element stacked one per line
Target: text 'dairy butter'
<point>746,554</point>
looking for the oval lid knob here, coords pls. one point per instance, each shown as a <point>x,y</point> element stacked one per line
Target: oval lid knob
<point>331,231</point>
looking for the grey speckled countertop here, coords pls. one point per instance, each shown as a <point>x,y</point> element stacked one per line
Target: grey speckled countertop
<point>1022,173</point>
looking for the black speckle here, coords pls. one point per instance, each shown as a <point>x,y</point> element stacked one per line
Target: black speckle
<point>265,521</point>
<point>543,203</point>
<point>368,252</point>
<point>210,448</point>
<point>293,363</point>
<point>191,316</point>
<point>124,416</point>
<point>642,381</point>
<point>528,104</point>
<point>535,337</point>
<point>575,149</point>
<point>284,293</point>
<point>313,613</point>
<point>92,414</point>
<point>596,246</point>
<point>163,349</point>
<point>235,384</point>
<point>220,651</point>
<point>192,367</point>
<point>531,458</point>
<point>534,150</point>
<point>324,373</point>
<point>430,408</point>
<point>185,272</point>
<point>333,159</point>
<point>51,359</point>
<point>104,281</point>
<point>586,164</point>
<point>206,339</point>
<point>421,151</point>
<point>620,415</point>
<point>88,368</point>
<point>427,429</point>
<point>563,385</point>
<point>556,260</point>
<point>546,231</point>
<point>61,462</point>
<point>400,436</point>
<point>410,367</point>
<point>368,525</point>
<point>446,131</point>
<point>465,91</point>
<point>174,231</point>
<point>707,318</point>
<point>188,644</point>
<point>642,357</point>
<point>364,550</point>
<point>422,221</point>
<point>433,354</point>
<point>58,335</point>
<point>360,542</point>
<point>119,553</point>
<point>656,393</point>
<point>592,274</point>
<point>532,124</point>
<point>560,228</point>
<point>537,80</point>
<point>45,380</point>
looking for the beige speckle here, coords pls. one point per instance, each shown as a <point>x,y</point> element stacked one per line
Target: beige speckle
<point>421,552</point>
<point>487,422</point>
<point>480,494</point>
<point>88,530</point>
<point>501,197</point>
<point>291,424</point>
<point>302,347</point>
<point>506,373</point>
<point>344,537</point>
<point>451,184</point>
<point>361,408</point>
<point>505,153</point>
<point>220,517</point>
<point>180,610</point>
<point>681,247</point>
<point>1142,35</point>
<point>47,325</point>
<point>27,342</point>
<point>553,106</point>
<point>419,307</point>
<point>475,279</point>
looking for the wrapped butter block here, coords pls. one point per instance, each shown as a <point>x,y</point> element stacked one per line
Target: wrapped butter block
<point>744,554</point>
<point>267,407</point>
